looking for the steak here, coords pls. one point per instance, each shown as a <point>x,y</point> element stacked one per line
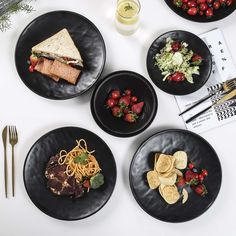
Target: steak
<point>59,182</point>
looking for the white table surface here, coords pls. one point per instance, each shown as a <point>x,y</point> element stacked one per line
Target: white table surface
<point>34,116</point>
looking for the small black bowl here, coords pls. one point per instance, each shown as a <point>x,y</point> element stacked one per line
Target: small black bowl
<point>194,43</point>
<point>218,14</point>
<point>140,87</point>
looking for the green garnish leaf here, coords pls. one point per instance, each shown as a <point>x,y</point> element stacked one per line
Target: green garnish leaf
<point>128,7</point>
<point>96,181</point>
<point>82,158</point>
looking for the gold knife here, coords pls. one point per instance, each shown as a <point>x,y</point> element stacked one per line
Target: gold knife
<point>4,139</point>
<point>226,97</point>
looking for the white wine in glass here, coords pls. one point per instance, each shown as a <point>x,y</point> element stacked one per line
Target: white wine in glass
<point>127,16</point>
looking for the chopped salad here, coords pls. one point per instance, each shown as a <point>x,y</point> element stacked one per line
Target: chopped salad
<point>176,62</point>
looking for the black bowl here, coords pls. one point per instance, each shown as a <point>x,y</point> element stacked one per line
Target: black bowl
<point>65,207</point>
<point>218,14</point>
<point>86,37</point>
<point>140,87</point>
<point>199,151</point>
<point>197,45</point>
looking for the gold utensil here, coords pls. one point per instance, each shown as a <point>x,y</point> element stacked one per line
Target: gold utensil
<point>13,139</point>
<point>4,139</point>
<point>226,97</point>
<point>226,86</point>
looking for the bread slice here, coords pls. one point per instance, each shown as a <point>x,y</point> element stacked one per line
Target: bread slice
<point>59,46</point>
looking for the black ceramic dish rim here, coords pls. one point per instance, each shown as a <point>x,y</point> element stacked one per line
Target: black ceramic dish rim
<point>41,208</point>
<point>100,72</point>
<point>146,141</point>
<point>116,134</point>
<point>180,31</point>
<point>193,19</point>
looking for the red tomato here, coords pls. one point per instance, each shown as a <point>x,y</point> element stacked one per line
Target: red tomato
<point>31,68</point>
<point>229,2</point>
<point>201,1</point>
<point>204,172</point>
<point>110,102</point>
<point>192,11</point>
<point>128,92</point>
<point>178,76</point>
<point>200,177</point>
<point>209,12</point>
<point>216,5</point>
<point>222,2</point>
<point>33,60</point>
<point>190,165</point>
<point>175,46</point>
<point>86,183</point>
<point>191,4</point>
<point>134,99</point>
<point>203,6</point>
<point>115,94</point>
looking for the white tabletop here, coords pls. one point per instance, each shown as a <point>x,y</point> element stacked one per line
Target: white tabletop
<point>34,116</point>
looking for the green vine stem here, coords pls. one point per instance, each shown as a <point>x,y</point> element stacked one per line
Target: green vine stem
<point>9,7</point>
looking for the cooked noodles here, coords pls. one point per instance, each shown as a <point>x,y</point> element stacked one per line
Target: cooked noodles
<point>88,167</point>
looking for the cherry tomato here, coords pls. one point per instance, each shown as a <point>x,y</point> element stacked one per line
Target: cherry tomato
<point>203,7</point>
<point>204,172</point>
<point>209,12</point>
<point>115,94</point>
<point>110,102</point>
<point>222,2</point>
<point>216,5</point>
<point>134,99</point>
<point>178,76</point>
<point>192,4</point>
<point>192,11</point>
<point>175,46</point>
<point>200,177</point>
<point>201,1</point>
<point>86,183</point>
<point>128,92</point>
<point>190,165</point>
<point>229,2</point>
<point>33,60</point>
<point>31,68</point>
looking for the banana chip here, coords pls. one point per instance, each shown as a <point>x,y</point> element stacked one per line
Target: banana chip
<point>169,179</point>
<point>180,159</point>
<point>185,195</point>
<point>163,163</point>
<point>170,193</point>
<point>166,170</point>
<point>153,179</point>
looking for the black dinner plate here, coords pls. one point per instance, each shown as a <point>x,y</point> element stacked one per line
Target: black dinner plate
<point>140,87</point>
<point>65,207</point>
<point>197,45</point>
<point>218,14</point>
<point>199,151</point>
<point>86,37</point>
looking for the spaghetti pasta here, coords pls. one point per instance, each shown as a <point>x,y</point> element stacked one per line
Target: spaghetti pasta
<point>80,162</point>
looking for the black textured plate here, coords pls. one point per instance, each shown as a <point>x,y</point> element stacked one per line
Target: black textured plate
<point>197,45</point>
<point>86,37</point>
<point>140,87</point>
<point>199,151</point>
<point>64,207</point>
<point>218,14</point>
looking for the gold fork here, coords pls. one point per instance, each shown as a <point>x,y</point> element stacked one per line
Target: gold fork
<point>13,139</point>
<point>226,87</point>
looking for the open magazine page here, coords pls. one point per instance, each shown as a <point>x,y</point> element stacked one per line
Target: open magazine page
<point>223,69</point>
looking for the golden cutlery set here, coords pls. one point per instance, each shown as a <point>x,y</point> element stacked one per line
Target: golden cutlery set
<point>9,133</point>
